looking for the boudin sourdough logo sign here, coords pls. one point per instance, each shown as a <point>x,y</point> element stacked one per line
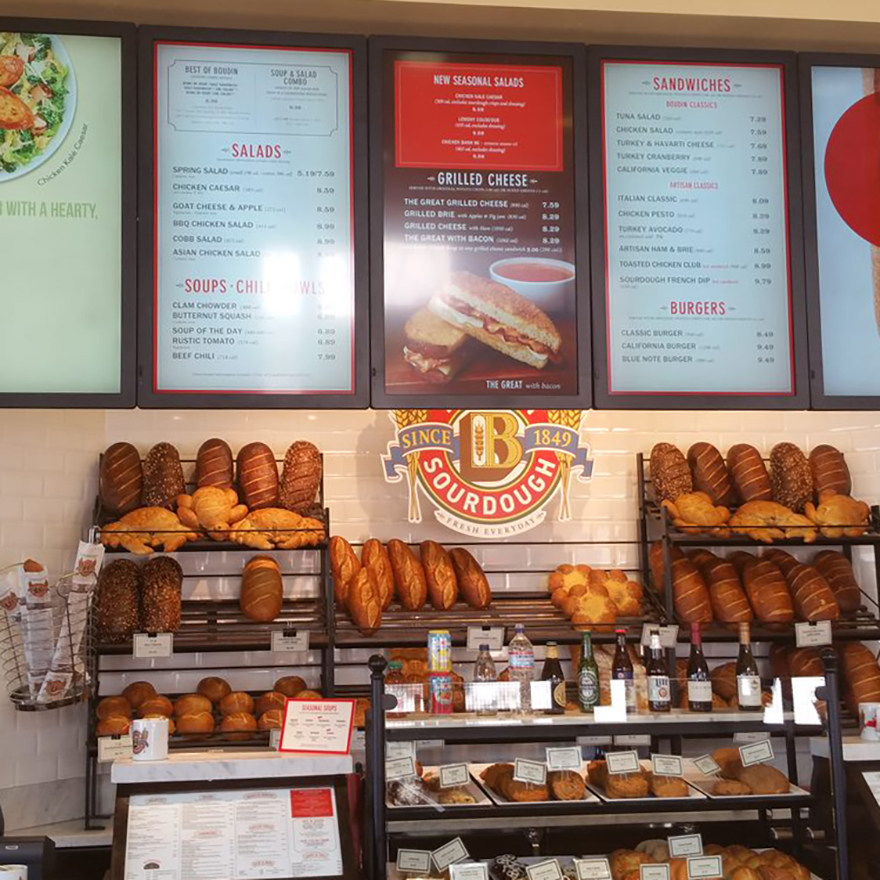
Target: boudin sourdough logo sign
<point>488,474</point>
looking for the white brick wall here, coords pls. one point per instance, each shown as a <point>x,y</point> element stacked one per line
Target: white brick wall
<point>48,481</point>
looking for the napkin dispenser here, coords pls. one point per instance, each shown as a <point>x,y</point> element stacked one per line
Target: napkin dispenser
<point>37,853</point>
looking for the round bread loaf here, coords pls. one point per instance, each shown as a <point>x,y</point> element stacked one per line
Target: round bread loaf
<point>171,726</point>
<point>237,701</point>
<point>137,692</point>
<point>710,473</point>
<point>271,720</point>
<point>117,601</point>
<point>749,473</point>
<point>120,479</point>
<point>195,722</point>
<point>157,705</point>
<point>192,704</point>
<point>308,695</point>
<point>262,589</point>
<point>257,475</point>
<point>269,701</point>
<point>290,685</point>
<point>238,721</point>
<point>790,477</point>
<point>163,477</point>
<point>214,688</point>
<point>113,707</point>
<point>300,477</point>
<point>829,471</point>
<point>670,474</point>
<point>115,726</point>
<point>214,465</point>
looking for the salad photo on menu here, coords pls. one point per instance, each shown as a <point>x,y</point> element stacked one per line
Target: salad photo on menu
<point>37,100</point>
<point>479,228</point>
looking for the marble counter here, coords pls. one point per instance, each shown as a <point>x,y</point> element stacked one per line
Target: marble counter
<point>71,834</point>
<point>217,766</point>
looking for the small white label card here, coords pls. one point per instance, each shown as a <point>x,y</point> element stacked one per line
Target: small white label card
<point>454,775</point>
<point>322,726</point>
<point>567,758</point>
<point>632,739</point>
<point>147,645</point>
<point>290,641</point>
<point>668,634</point>
<point>400,750</point>
<point>751,736</point>
<point>704,866</point>
<point>112,747</point>
<point>548,870</point>
<point>400,768</point>
<point>493,636</point>
<point>667,765</point>
<point>359,741</point>
<point>414,861</point>
<point>756,753</point>
<point>654,872</point>
<point>529,771</point>
<point>449,853</point>
<point>707,765</point>
<point>592,869</point>
<point>275,739</point>
<point>622,762</point>
<point>469,871</point>
<point>813,634</point>
<point>684,845</point>
<point>593,740</point>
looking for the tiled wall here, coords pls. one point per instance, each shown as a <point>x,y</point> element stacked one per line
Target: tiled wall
<point>48,479</point>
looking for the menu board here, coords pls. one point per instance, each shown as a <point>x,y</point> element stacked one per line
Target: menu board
<point>254,271</point>
<point>845,140</point>
<point>479,228</point>
<point>66,335</point>
<point>251,833</point>
<point>697,271</point>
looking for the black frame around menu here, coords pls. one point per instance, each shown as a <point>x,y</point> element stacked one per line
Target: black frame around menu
<point>821,400</point>
<point>147,395</point>
<point>125,397</point>
<point>487,48</point>
<point>791,128</point>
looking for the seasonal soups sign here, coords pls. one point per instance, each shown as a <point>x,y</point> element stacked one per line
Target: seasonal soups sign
<point>488,474</point>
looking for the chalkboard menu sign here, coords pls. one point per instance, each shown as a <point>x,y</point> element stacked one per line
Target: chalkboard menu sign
<point>254,296</point>
<point>696,294</point>
<point>67,213</point>
<point>479,261</point>
<point>841,113</point>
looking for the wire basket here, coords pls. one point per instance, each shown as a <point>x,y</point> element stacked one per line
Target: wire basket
<point>46,648</point>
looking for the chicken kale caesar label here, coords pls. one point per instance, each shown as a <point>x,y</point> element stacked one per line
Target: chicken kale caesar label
<point>35,99</point>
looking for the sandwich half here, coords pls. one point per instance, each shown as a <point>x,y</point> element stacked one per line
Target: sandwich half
<point>433,346</point>
<point>498,317</point>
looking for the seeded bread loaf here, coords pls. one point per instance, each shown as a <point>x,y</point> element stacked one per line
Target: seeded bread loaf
<point>163,477</point>
<point>162,579</point>
<point>670,474</point>
<point>117,601</point>
<point>790,477</point>
<point>300,477</point>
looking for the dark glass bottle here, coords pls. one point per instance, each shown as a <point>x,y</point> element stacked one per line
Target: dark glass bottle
<point>622,670</point>
<point>748,679</point>
<point>699,684</point>
<point>659,692</point>
<point>588,677</point>
<point>553,673</point>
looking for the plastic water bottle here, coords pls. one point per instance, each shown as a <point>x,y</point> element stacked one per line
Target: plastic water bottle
<point>521,654</point>
<point>485,680</point>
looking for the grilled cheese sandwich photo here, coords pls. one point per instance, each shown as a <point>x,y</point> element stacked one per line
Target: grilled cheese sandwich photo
<point>433,347</point>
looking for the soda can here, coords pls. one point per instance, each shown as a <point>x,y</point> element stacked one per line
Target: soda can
<point>440,693</point>
<point>439,651</point>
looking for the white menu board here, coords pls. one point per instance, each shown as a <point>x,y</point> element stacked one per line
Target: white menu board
<point>233,835</point>
<point>696,217</point>
<point>254,259</point>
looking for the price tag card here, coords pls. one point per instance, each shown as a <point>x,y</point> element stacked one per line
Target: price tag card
<point>593,740</point>
<point>469,871</point>
<point>592,869</point>
<point>654,872</point>
<point>623,762</point>
<point>751,737</point>
<point>707,765</point>
<point>633,739</point>
<point>322,726</point>
<point>112,747</point>
<point>359,741</point>
<point>290,641</point>
<point>756,753</point>
<point>454,775</point>
<point>667,765</point>
<point>400,750</point>
<point>548,870</point>
<point>275,739</point>
<point>493,636</point>
<point>814,634</point>
<point>704,866</point>
<point>569,758</point>
<point>414,861</point>
<point>449,853</point>
<point>685,845</point>
<point>151,645</point>
<point>400,768</point>
<point>668,635</point>
<point>529,771</point>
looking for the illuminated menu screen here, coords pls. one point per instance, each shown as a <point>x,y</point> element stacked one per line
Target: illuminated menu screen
<point>696,219</point>
<point>254,260</point>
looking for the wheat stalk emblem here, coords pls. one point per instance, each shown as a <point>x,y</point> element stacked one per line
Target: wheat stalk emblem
<point>569,418</point>
<point>405,418</point>
<point>480,440</point>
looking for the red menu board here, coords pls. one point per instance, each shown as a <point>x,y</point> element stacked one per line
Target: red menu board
<point>478,253</point>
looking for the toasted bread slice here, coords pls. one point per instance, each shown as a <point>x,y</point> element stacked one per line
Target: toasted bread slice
<point>431,336</point>
<point>15,115</point>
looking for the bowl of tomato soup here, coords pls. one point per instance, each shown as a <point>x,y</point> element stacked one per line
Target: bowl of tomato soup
<point>549,284</point>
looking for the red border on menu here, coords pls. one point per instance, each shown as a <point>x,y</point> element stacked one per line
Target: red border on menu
<point>346,751</point>
<point>791,340</point>
<point>341,51</point>
<point>443,134</point>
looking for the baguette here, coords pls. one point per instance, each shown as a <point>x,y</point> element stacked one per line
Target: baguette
<point>838,571</point>
<point>749,473</point>
<point>813,598</point>
<point>440,574</point>
<point>472,581</point>
<point>768,591</point>
<point>345,565</point>
<point>364,603</point>
<point>375,557</point>
<point>410,583</point>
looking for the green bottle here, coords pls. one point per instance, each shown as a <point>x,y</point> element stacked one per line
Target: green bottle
<point>588,677</point>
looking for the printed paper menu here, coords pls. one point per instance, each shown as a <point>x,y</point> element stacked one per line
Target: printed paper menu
<point>696,221</point>
<point>233,834</point>
<point>254,283</point>
<point>480,286</point>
